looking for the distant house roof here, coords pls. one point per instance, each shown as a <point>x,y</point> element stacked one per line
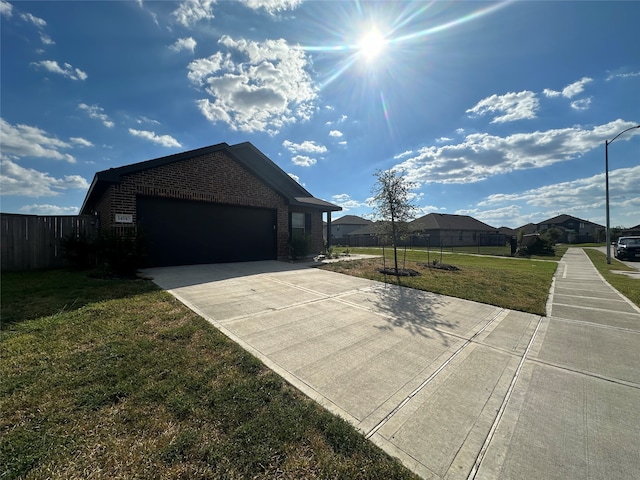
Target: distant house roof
<point>351,220</point>
<point>444,221</point>
<point>560,219</point>
<point>244,154</point>
<point>368,230</point>
<point>528,228</point>
<point>507,231</point>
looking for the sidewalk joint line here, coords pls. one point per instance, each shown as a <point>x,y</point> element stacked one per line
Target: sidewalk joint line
<point>503,407</point>
<point>433,375</point>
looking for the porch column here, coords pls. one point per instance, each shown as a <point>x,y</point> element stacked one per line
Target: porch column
<point>328,229</point>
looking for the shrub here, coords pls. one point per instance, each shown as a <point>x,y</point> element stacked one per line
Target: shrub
<point>116,254</point>
<point>79,250</point>
<point>120,254</point>
<point>299,246</point>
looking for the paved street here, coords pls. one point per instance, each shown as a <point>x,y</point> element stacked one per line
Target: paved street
<point>454,389</point>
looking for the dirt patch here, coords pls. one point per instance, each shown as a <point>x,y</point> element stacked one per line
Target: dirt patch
<point>402,272</point>
<point>439,266</point>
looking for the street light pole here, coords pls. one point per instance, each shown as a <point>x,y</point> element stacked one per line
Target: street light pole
<point>606,180</point>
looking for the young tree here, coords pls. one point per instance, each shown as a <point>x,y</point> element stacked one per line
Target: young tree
<point>391,203</point>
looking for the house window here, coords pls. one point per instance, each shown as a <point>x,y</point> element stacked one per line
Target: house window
<point>297,224</point>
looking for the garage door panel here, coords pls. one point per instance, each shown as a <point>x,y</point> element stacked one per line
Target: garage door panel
<point>184,232</point>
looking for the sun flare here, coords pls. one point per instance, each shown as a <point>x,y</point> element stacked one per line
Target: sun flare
<point>372,44</point>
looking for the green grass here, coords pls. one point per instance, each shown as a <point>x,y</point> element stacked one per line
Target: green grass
<point>629,287</point>
<point>117,379</point>
<point>560,250</point>
<point>517,284</point>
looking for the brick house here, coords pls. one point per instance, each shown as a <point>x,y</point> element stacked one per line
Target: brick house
<point>453,230</point>
<point>575,230</point>
<point>343,226</point>
<point>214,204</point>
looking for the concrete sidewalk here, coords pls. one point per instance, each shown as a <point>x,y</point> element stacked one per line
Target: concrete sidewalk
<point>454,389</point>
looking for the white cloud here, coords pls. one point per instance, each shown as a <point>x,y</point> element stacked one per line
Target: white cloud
<point>294,176</point>
<point>308,146</point>
<point>404,154</point>
<point>17,180</point>
<point>38,22</point>
<point>192,11</point>
<point>96,112</point>
<point>164,140</point>
<point>184,44</point>
<point>25,141</point>
<point>81,142</point>
<point>272,6</point>
<point>582,197</point>
<point>303,160</point>
<point>46,209</point>
<point>575,88</point>
<point>346,202</point>
<point>482,155</point>
<point>443,139</point>
<point>66,70</point>
<point>6,9</point>
<point>263,93</point>
<point>513,106</point>
<point>497,217</point>
<point>335,133</point>
<point>570,90</point>
<point>143,119</point>
<point>582,104</point>
<point>624,184</point>
<point>47,40</point>
<point>623,75</point>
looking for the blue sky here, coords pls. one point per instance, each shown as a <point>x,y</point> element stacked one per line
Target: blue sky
<point>495,110</point>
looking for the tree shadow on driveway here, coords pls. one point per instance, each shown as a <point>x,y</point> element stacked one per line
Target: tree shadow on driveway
<point>418,312</point>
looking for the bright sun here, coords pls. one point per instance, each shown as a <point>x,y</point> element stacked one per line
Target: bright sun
<point>372,44</point>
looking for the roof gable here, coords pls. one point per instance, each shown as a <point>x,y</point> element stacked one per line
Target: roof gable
<point>444,221</point>
<point>351,220</point>
<point>244,154</point>
<point>560,219</point>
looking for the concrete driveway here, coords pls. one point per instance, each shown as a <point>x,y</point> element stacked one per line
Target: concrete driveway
<point>454,389</point>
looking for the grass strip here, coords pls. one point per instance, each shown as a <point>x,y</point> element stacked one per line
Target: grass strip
<point>517,284</point>
<point>117,379</point>
<point>628,286</point>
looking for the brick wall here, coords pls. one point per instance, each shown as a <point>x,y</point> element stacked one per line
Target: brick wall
<point>210,178</point>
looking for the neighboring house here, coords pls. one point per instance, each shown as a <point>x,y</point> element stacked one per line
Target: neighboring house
<point>367,236</point>
<point>633,231</point>
<point>343,226</point>
<point>437,229</point>
<point>508,232</point>
<point>528,229</point>
<point>215,204</point>
<point>575,230</point>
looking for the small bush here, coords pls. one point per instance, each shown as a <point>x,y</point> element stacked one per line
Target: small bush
<point>300,245</point>
<point>116,254</point>
<point>79,250</point>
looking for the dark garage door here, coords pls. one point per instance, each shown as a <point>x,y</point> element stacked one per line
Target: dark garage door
<point>184,232</point>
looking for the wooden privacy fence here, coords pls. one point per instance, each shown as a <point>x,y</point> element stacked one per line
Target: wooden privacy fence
<point>32,241</point>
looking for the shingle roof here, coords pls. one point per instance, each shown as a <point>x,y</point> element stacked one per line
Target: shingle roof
<point>245,154</point>
<point>351,220</point>
<point>444,221</point>
<point>370,229</point>
<point>563,218</point>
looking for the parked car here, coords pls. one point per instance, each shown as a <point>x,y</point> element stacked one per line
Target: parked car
<point>628,248</point>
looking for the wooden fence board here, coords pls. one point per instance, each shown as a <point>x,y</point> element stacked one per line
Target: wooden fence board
<point>33,242</point>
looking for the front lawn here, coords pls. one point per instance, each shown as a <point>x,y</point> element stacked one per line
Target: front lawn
<point>517,284</point>
<point>629,287</point>
<point>109,378</point>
